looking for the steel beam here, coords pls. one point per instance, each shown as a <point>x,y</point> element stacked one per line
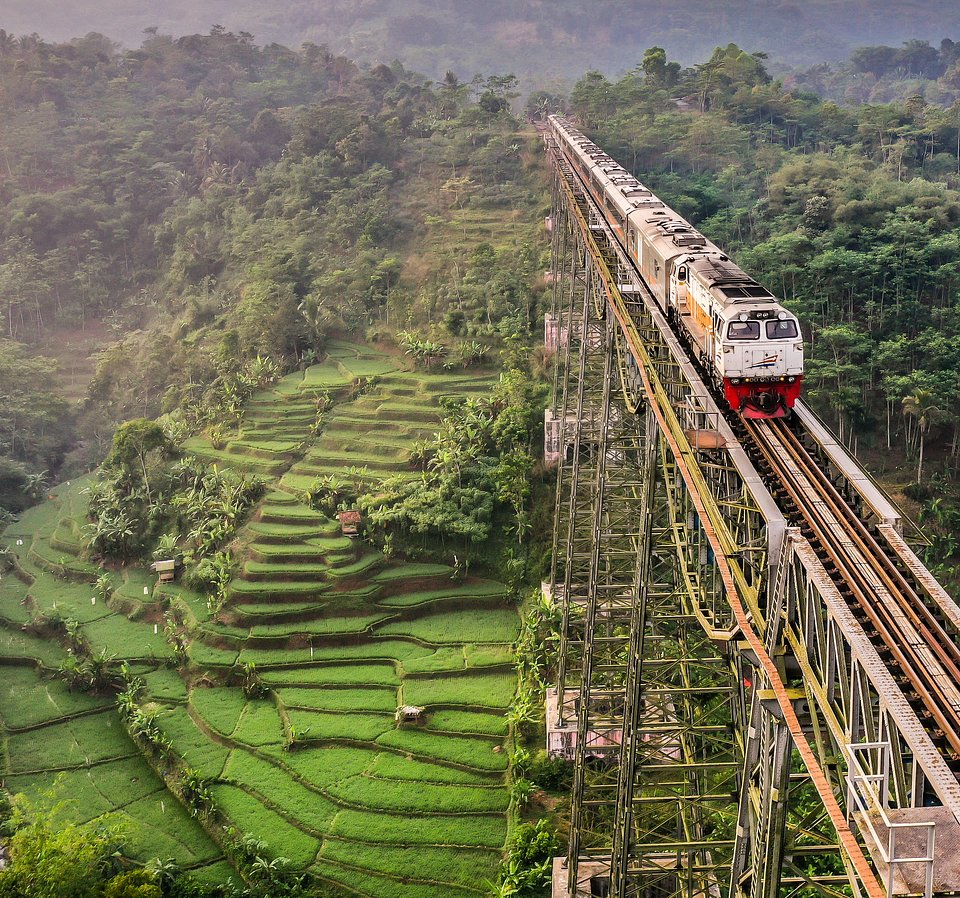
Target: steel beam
<point>721,687</point>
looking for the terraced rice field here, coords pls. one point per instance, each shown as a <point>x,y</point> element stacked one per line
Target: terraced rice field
<point>75,747</point>
<point>319,768</point>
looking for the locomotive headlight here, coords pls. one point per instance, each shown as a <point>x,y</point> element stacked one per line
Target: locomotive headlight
<point>782,315</point>
<point>791,380</point>
<point>742,316</point>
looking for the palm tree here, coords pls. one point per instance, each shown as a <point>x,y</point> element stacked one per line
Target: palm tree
<point>126,704</point>
<point>263,869</point>
<point>921,405</point>
<point>196,791</point>
<point>521,792</point>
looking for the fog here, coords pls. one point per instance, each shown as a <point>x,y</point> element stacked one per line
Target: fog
<point>538,40</point>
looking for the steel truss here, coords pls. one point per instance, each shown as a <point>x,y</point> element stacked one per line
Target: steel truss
<point>714,692</point>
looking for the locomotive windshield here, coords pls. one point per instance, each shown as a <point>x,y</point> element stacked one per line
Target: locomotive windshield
<point>782,330</point>
<point>743,330</point>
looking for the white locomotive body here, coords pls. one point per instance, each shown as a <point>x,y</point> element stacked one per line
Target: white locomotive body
<point>748,342</point>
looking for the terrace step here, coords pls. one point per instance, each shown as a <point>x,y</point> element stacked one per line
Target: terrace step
<point>251,614</point>
<point>357,451</point>
<point>353,568</point>
<point>250,449</point>
<point>265,571</point>
<point>275,553</point>
<point>245,590</point>
<point>248,463</point>
<point>283,533</point>
<point>279,497</point>
<point>298,516</point>
<point>329,461</point>
<point>358,424</point>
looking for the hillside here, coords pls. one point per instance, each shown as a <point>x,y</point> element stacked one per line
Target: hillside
<point>252,198</point>
<point>540,42</point>
<point>318,288</point>
<point>280,701</point>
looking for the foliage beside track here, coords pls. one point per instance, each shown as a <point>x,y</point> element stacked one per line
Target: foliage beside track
<point>847,213</point>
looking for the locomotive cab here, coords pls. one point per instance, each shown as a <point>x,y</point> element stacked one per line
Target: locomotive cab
<point>679,281</point>
<point>760,360</point>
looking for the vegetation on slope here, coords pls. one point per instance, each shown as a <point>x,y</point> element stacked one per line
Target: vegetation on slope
<point>248,206</point>
<point>267,701</point>
<point>221,206</point>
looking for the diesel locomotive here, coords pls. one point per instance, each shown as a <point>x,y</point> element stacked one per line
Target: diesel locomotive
<point>747,342</point>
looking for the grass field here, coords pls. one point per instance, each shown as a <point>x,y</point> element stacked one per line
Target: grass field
<point>340,636</point>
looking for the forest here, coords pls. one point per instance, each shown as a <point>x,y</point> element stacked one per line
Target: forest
<point>251,198</point>
<point>310,289</point>
<point>547,45</point>
<point>848,212</point>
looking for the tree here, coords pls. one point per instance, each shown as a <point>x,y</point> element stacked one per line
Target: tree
<point>34,421</point>
<point>526,870</point>
<point>133,444</point>
<point>657,71</point>
<point>496,93</point>
<point>52,858</point>
<point>921,404</point>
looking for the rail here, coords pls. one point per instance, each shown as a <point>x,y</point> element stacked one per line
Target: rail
<point>900,622</point>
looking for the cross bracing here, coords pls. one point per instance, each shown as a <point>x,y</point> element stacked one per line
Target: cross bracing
<point>736,730</point>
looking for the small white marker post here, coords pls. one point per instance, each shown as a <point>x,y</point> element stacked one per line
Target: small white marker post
<point>155,630</point>
<point>93,600</point>
<point>146,590</point>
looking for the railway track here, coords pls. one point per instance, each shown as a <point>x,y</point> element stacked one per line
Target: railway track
<point>906,631</point>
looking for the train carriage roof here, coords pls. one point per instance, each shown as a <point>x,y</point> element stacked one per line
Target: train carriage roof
<point>727,280</point>
<point>670,236</point>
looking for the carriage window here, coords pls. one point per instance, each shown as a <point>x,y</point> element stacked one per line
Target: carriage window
<point>782,330</point>
<point>743,330</point>
<point>682,273</point>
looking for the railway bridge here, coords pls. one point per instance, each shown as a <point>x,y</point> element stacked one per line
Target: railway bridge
<point>759,680</point>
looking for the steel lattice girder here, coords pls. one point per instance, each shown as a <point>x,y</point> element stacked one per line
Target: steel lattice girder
<point>779,838</point>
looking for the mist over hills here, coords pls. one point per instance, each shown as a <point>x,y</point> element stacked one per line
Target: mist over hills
<point>542,42</point>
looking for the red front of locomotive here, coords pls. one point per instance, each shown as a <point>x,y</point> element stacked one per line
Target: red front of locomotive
<point>761,400</point>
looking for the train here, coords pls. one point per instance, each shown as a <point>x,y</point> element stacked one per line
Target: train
<point>749,345</point>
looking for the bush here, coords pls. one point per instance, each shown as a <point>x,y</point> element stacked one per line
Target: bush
<point>135,884</point>
<point>527,866</point>
<point>552,774</point>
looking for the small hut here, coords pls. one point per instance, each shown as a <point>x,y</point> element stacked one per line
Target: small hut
<point>409,714</point>
<point>349,523</point>
<point>165,570</point>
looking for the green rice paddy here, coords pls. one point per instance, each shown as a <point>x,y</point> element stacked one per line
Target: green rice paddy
<point>318,769</point>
